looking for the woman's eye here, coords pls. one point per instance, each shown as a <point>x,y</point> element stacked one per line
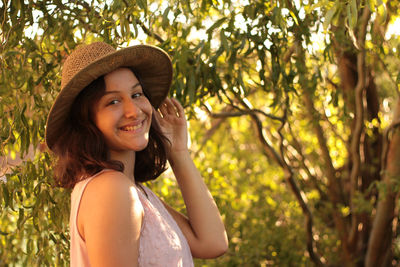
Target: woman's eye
<point>136,95</point>
<point>113,102</point>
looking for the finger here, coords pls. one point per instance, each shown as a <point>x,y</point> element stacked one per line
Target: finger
<point>170,106</point>
<point>163,109</point>
<point>179,108</point>
<point>157,115</point>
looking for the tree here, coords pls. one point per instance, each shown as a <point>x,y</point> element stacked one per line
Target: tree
<point>316,79</point>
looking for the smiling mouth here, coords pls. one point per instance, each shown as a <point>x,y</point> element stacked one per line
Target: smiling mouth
<point>132,127</point>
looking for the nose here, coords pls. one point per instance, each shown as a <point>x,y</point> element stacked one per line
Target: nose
<point>131,109</point>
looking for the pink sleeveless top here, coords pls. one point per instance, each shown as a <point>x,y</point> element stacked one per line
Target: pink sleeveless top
<point>162,243</point>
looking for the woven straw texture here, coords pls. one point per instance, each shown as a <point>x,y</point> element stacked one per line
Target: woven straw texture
<point>81,57</point>
<point>89,62</point>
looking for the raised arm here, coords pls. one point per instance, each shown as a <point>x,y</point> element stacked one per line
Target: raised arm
<point>203,228</point>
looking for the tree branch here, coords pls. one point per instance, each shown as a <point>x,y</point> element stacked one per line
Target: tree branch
<point>242,112</point>
<point>148,32</point>
<point>271,152</point>
<point>289,53</point>
<point>359,122</point>
<point>332,83</point>
<point>289,176</point>
<point>307,213</point>
<point>314,116</point>
<point>380,240</point>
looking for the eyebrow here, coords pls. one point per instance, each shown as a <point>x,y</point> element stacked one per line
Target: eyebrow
<point>113,92</point>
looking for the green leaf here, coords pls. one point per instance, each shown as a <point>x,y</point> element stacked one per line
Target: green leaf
<point>29,246</point>
<point>382,6</point>
<point>165,20</point>
<point>143,5</point>
<point>122,25</point>
<point>353,14</point>
<point>224,41</point>
<point>135,27</point>
<point>294,17</point>
<point>328,17</point>
<point>217,24</point>
<point>318,4</point>
<point>21,218</point>
<point>189,8</point>
<point>6,195</point>
<point>191,88</point>
<point>179,88</point>
<point>52,237</point>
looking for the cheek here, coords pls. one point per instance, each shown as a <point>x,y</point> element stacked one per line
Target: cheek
<point>147,108</point>
<point>103,121</point>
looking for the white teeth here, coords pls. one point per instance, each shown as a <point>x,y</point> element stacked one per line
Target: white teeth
<point>131,128</point>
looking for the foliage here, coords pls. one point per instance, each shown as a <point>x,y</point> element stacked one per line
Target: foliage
<point>289,104</point>
<point>261,220</point>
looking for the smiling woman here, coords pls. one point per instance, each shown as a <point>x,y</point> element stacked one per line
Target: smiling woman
<point>108,137</point>
<point>123,114</point>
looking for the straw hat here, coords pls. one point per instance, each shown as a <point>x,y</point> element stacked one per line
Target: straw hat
<point>89,62</point>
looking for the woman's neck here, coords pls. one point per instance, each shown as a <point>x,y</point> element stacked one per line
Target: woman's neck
<point>128,159</point>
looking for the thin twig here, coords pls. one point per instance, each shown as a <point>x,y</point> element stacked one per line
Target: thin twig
<point>242,112</point>
<point>148,32</point>
<point>332,83</point>
<point>289,53</point>
<point>359,121</point>
<point>271,152</point>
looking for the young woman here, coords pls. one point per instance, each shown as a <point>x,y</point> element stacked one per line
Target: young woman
<point>111,128</point>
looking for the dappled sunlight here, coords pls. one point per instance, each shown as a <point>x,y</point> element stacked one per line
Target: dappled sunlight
<point>291,141</point>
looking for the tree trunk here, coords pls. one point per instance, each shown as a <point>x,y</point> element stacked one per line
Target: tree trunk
<point>380,241</point>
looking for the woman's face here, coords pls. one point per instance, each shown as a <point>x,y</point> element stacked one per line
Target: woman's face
<point>123,113</point>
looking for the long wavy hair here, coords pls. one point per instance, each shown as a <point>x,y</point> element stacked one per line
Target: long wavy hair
<point>81,149</point>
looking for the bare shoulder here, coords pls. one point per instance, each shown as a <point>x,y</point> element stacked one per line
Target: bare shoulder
<point>110,187</point>
<point>109,197</point>
<point>112,178</point>
<point>110,184</point>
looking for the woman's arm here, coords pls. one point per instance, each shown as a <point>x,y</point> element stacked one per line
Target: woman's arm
<point>109,220</point>
<point>203,228</point>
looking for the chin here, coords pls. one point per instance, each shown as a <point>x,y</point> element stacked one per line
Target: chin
<point>141,147</point>
<point>138,149</point>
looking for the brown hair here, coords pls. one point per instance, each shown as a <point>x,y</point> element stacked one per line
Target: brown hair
<point>82,151</point>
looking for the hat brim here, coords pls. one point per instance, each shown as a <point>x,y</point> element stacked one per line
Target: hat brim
<point>150,63</point>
